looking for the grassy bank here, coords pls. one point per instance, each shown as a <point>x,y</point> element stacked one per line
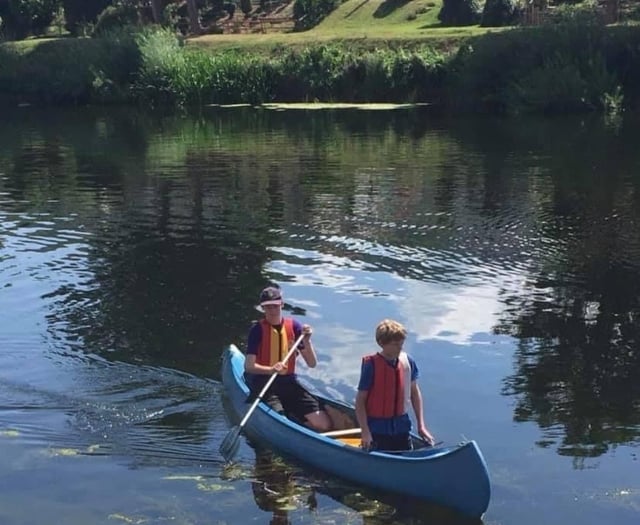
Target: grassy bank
<point>357,54</point>
<point>363,23</point>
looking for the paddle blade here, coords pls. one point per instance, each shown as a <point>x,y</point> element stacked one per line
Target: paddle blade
<point>230,444</point>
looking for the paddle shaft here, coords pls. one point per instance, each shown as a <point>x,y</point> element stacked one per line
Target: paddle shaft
<point>269,383</point>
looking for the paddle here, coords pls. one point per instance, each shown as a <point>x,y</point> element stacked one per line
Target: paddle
<point>230,444</point>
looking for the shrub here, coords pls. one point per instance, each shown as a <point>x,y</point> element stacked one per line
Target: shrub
<point>498,13</point>
<point>460,12</point>
<point>82,13</point>
<point>21,18</point>
<point>245,7</point>
<point>114,17</point>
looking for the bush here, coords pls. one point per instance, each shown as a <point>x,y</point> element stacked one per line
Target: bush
<point>564,83</point>
<point>21,18</point>
<point>115,17</point>
<point>82,13</point>
<point>498,13</point>
<point>552,68</point>
<point>245,7</point>
<point>460,12</point>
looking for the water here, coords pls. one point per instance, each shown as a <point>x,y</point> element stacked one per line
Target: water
<point>133,248</point>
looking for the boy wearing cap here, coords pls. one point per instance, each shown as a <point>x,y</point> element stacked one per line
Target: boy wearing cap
<point>268,342</point>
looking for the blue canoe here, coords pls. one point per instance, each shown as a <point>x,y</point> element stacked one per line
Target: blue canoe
<point>452,476</point>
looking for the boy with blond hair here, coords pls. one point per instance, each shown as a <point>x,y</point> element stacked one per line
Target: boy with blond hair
<point>387,388</point>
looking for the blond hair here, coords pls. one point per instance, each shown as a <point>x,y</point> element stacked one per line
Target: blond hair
<point>389,330</point>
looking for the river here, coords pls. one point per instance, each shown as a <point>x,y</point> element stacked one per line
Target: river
<point>133,247</point>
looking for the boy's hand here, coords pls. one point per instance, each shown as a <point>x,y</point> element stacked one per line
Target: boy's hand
<point>426,435</point>
<point>366,442</point>
<point>279,367</point>
<point>307,331</point>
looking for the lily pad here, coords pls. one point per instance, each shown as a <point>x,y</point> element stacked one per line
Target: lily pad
<point>188,478</point>
<point>213,487</point>
<point>340,105</point>
<point>63,452</point>
<point>9,433</point>
<point>127,519</point>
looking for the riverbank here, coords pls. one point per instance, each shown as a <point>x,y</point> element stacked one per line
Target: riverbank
<point>556,68</point>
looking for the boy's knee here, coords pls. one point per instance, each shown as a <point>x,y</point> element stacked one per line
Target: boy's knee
<point>320,421</point>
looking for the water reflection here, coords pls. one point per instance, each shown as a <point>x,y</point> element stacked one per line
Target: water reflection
<point>275,490</point>
<point>284,490</point>
<point>144,239</point>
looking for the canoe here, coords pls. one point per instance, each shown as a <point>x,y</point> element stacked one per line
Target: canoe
<point>451,476</point>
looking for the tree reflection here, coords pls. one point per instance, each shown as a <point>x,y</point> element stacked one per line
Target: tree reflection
<point>577,359</point>
<point>180,214</point>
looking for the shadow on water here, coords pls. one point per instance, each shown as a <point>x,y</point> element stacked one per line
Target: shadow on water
<point>280,488</point>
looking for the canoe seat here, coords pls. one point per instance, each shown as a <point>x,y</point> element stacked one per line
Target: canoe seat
<point>344,432</point>
<point>352,442</point>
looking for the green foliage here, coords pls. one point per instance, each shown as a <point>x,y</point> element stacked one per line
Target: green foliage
<point>498,13</point>
<point>585,13</point>
<point>171,74</point>
<point>116,17</point>
<point>460,12</point>
<point>564,83</point>
<point>309,13</point>
<point>554,68</point>
<point>81,14</point>
<point>21,18</point>
<point>99,72</point>
<point>245,7</point>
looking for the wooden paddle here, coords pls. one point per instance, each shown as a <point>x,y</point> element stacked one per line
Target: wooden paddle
<point>230,444</point>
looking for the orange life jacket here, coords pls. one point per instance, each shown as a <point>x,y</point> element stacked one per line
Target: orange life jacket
<point>275,344</point>
<point>390,392</point>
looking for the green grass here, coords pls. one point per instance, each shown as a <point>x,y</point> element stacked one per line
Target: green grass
<point>366,23</point>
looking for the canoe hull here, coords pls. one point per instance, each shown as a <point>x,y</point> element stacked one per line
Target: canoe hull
<point>455,477</point>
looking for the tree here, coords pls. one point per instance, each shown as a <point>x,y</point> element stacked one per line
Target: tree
<point>194,18</point>
<point>499,13</point>
<point>460,12</point>
<point>156,11</point>
<point>81,12</point>
<point>20,18</point>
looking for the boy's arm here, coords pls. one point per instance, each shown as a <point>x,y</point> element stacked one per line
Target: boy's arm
<point>416,403</point>
<point>308,352</point>
<point>361,416</point>
<point>251,367</point>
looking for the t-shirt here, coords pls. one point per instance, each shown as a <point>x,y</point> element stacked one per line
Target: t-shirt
<point>386,425</point>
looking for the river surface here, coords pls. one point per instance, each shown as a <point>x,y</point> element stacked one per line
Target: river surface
<point>133,247</point>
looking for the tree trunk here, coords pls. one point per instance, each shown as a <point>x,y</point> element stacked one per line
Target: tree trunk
<point>156,11</point>
<point>194,19</point>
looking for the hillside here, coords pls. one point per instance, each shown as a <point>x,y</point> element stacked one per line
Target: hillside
<point>359,20</point>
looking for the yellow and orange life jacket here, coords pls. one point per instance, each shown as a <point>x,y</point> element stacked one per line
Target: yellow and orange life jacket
<point>275,343</point>
<point>390,392</point>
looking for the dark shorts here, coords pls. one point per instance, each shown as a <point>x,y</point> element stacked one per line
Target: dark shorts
<point>288,398</point>
<point>392,442</point>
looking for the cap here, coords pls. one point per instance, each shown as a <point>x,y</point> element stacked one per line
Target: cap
<point>270,295</point>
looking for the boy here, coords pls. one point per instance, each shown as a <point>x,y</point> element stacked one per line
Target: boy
<point>388,385</point>
<point>269,341</point>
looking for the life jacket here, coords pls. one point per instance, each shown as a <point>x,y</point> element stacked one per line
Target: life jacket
<point>275,344</point>
<point>390,392</point>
